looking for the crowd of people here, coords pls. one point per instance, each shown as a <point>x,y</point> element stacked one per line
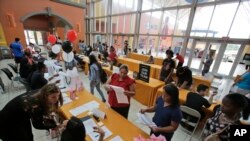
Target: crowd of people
<point>41,104</point>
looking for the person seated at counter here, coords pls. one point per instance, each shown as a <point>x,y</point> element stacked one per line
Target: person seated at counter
<point>78,59</point>
<point>227,114</point>
<point>184,78</point>
<point>196,100</point>
<point>75,130</point>
<point>37,79</point>
<point>135,50</point>
<point>27,65</point>
<point>150,60</point>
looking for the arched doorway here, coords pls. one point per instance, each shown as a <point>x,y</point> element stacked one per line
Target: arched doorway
<point>37,27</point>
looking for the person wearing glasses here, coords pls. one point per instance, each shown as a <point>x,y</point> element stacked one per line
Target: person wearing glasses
<point>38,107</point>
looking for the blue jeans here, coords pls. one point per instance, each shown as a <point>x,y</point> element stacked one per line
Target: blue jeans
<point>96,84</point>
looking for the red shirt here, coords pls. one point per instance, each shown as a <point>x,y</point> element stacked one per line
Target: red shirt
<point>180,58</point>
<point>125,83</point>
<point>112,56</point>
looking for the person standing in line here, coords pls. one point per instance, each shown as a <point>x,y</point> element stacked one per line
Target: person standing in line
<point>168,66</point>
<point>17,51</point>
<point>180,59</point>
<point>207,64</point>
<point>120,79</point>
<point>167,112</point>
<point>94,76</point>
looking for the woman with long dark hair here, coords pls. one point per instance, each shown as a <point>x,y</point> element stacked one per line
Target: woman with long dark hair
<point>167,112</point>
<point>94,76</point>
<point>38,107</point>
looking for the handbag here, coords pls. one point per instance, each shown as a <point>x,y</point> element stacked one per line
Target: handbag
<point>215,136</point>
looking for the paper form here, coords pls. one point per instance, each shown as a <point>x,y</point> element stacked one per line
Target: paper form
<point>116,138</point>
<point>95,136</point>
<point>89,124</point>
<point>121,97</point>
<point>144,119</point>
<point>83,108</point>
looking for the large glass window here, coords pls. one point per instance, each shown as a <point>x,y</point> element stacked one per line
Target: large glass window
<point>241,67</point>
<point>123,6</point>
<point>168,22</point>
<point>100,8</point>
<point>201,21</point>
<point>100,25</point>
<point>228,58</point>
<point>222,19</point>
<point>129,23</point>
<point>241,25</point>
<point>155,22</point>
<point>118,24</point>
<point>182,21</point>
<point>145,23</point>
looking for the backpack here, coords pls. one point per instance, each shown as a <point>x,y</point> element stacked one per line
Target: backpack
<point>103,75</point>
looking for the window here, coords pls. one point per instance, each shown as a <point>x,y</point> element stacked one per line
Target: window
<point>100,25</point>
<point>155,22</point>
<point>147,4</point>
<point>118,24</point>
<point>145,23</point>
<point>100,8</point>
<point>222,19</point>
<point>168,22</point>
<point>182,21</point>
<point>123,6</point>
<point>241,24</point>
<point>129,23</point>
<point>201,21</point>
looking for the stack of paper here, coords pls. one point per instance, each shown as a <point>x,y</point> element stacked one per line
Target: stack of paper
<point>86,107</point>
<point>144,119</point>
<point>121,97</point>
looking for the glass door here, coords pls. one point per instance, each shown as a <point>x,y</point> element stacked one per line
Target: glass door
<point>198,52</point>
<point>228,59</point>
<point>35,37</point>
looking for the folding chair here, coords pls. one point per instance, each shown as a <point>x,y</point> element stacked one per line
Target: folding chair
<point>2,84</point>
<point>188,125</point>
<point>14,68</point>
<point>9,74</point>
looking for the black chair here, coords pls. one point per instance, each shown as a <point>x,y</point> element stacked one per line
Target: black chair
<point>13,67</point>
<point>2,84</point>
<point>25,83</point>
<point>9,74</point>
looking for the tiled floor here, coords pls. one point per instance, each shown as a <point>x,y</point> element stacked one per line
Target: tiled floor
<point>40,135</point>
